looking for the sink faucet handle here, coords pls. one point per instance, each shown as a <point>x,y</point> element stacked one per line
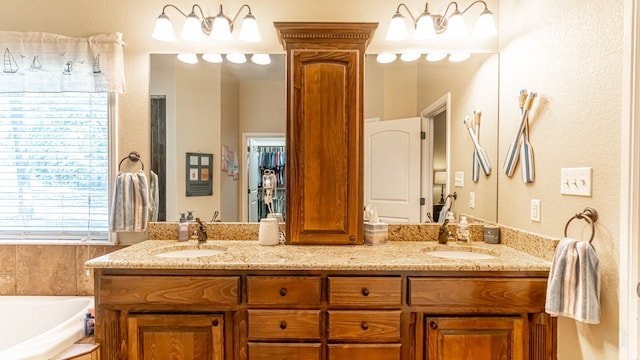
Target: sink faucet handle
<point>201,231</point>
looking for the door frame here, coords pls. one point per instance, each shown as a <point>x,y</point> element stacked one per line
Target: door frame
<point>629,249</point>
<point>427,119</point>
<point>243,171</point>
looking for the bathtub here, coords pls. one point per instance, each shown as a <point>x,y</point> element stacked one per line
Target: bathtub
<point>39,327</point>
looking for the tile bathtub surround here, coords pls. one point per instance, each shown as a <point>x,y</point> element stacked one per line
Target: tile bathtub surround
<point>48,269</point>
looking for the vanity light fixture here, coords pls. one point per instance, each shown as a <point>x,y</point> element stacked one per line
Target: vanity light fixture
<point>433,57</point>
<point>459,57</point>
<point>197,28</point>
<point>188,58</point>
<point>453,26</point>
<point>212,58</point>
<point>385,58</point>
<point>261,59</point>
<point>236,58</point>
<point>410,56</point>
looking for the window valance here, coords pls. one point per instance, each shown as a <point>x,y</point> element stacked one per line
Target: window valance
<point>43,62</point>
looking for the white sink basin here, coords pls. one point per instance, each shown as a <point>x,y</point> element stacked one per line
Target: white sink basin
<point>190,253</point>
<point>461,255</point>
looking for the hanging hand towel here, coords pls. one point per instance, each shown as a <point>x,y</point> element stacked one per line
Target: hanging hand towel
<point>154,197</point>
<point>574,282</point>
<point>130,205</point>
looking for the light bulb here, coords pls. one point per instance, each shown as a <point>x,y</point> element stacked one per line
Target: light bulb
<point>236,58</point>
<point>424,27</point>
<point>433,57</point>
<point>409,56</point>
<point>221,29</point>
<point>192,29</point>
<point>163,30</point>
<point>397,28</point>
<point>212,58</point>
<point>386,58</point>
<point>457,28</point>
<point>249,31</point>
<point>485,26</point>
<point>261,59</point>
<point>188,58</point>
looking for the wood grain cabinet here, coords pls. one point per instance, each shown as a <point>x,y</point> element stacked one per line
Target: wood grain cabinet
<point>324,315</point>
<point>325,72</point>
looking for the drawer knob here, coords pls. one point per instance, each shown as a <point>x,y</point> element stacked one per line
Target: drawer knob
<point>433,325</point>
<point>214,323</point>
<point>283,325</point>
<point>283,292</point>
<point>365,292</point>
<point>364,325</point>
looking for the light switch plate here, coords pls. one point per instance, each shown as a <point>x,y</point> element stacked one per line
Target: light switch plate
<point>459,179</point>
<point>575,181</point>
<point>472,200</point>
<point>535,210</point>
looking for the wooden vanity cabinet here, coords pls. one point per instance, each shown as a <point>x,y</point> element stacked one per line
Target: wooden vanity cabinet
<point>325,72</point>
<point>323,315</point>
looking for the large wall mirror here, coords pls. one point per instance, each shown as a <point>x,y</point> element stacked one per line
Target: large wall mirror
<point>237,113</point>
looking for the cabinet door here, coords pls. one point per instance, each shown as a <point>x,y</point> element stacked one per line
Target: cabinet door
<point>185,337</point>
<point>474,338</point>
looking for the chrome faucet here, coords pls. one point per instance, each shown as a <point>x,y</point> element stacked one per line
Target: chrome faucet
<point>201,232</point>
<point>443,234</point>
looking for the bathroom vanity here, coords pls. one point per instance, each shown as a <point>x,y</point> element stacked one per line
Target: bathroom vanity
<point>394,301</point>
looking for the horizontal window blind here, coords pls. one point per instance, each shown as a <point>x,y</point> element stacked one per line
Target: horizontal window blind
<point>54,166</point>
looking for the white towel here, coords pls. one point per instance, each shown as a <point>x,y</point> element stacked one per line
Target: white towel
<point>573,289</point>
<point>130,204</point>
<point>154,196</point>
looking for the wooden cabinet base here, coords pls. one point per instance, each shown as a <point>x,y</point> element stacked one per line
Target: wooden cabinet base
<point>284,351</point>
<point>364,351</point>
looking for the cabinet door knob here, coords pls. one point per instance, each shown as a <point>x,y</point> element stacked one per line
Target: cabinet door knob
<point>433,325</point>
<point>283,325</point>
<point>352,238</point>
<point>283,292</point>
<point>364,325</point>
<point>365,292</point>
<point>214,323</point>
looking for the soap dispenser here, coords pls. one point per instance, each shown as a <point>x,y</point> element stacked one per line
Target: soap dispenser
<point>464,235</point>
<point>183,228</point>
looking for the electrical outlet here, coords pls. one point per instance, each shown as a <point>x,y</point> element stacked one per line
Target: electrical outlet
<point>575,181</point>
<point>535,210</point>
<point>459,179</point>
<point>472,200</point>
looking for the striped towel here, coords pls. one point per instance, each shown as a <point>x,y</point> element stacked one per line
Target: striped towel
<point>574,282</point>
<point>154,196</point>
<point>130,205</point>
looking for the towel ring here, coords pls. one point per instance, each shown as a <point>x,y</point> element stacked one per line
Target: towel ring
<point>133,156</point>
<point>590,215</point>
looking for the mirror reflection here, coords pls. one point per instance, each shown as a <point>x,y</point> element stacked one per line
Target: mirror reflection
<point>237,112</point>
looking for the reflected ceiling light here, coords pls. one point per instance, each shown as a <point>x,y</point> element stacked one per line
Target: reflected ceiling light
<point>236,58</point>
<point>428,25</point>
<point>458,57</point>
<point>433,57</point>
<point>188,58</point>
<point>261,59</point>
<point>196,28</point>
<point>212,58</point>
<point>409,56</point>
<point>385,58</point>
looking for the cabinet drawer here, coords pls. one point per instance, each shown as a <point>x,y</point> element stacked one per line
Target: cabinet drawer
<point>365,291</point>
<point>283,290</point>
<point>170,290</point>
<point>364,351</point>
<point>479,294</point>
<point>284,324</point>
<point>364,325</point>
<point>265,351</point>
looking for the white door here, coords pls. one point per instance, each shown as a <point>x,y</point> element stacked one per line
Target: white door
<point>392,169</point>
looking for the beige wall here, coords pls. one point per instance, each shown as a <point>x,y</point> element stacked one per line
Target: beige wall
<point>568,52</point>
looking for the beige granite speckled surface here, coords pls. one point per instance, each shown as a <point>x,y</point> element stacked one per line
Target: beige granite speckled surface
<point>248,255</point>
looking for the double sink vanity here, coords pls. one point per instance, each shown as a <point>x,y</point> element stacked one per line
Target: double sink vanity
<point>235,299</point>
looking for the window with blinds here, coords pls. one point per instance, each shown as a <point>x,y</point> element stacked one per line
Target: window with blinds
<point>54,166</point>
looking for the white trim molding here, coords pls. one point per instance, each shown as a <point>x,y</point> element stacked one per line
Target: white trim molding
<point>630,186</point>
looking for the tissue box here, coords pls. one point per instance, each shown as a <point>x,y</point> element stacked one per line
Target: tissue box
<point>375,234</point>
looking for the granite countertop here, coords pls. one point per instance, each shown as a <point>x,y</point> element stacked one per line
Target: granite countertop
<point>248,255</point>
